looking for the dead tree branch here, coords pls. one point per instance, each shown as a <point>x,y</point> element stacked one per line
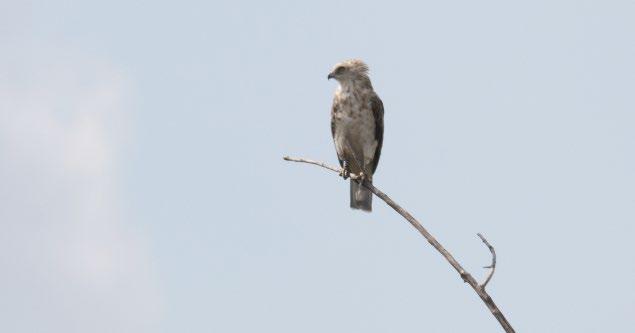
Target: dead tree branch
<point>493,265</point>
<point>466,276</point>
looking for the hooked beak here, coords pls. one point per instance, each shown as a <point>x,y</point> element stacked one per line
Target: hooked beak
<point>331,75</point>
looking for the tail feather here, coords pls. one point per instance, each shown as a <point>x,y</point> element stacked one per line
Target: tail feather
<point>361,197</point>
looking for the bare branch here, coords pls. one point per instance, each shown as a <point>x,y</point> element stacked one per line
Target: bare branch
<point>493,265</point>
<point>303,160</point>
<point>467,277</point>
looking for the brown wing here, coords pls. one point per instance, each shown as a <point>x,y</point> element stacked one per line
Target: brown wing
<point>334,110</point>
<point>377,106</point>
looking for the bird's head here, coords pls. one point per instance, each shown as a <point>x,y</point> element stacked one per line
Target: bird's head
<point>349,70</point>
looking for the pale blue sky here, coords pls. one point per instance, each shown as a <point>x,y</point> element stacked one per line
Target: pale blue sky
<point>142,187</point>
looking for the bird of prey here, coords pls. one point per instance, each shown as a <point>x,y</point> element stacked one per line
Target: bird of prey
<point>357,126</point>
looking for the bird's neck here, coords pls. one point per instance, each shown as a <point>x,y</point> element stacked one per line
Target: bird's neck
<point>356,84</point>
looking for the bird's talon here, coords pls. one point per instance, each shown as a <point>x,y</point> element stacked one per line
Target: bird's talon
<point>361,177</point>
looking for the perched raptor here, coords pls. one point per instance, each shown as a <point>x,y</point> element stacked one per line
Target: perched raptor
<point>357,125</point>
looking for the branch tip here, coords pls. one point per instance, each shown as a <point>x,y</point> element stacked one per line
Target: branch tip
<point>493,265</point>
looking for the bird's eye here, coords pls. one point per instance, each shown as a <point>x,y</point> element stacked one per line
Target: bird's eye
<point>339,69</point>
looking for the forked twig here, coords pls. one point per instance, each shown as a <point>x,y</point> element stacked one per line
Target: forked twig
<point>493,265</point>
<point>467,277</point>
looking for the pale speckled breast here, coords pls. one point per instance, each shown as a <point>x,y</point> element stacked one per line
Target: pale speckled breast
<point>355,127</point>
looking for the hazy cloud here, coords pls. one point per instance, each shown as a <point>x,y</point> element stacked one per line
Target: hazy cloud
<point>68,256</point>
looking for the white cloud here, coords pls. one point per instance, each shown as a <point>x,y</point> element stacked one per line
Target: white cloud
<point>71,261</point>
